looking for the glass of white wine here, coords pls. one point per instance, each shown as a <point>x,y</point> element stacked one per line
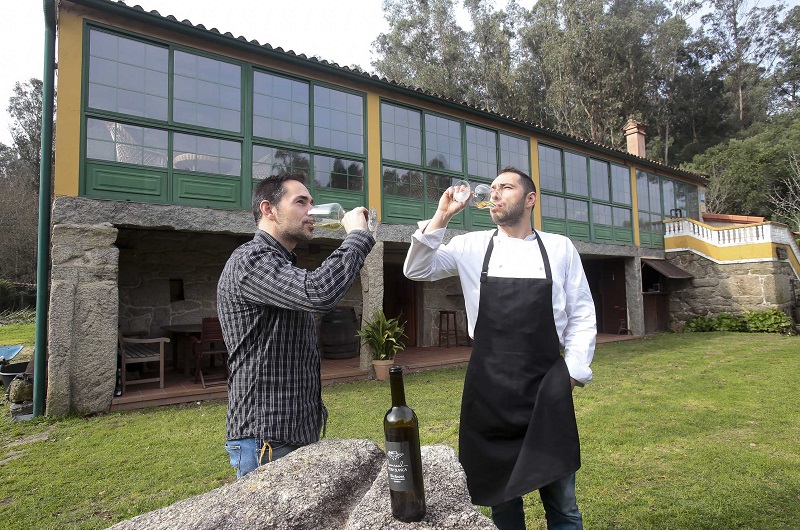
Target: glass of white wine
<point>329,217</point>
<point>462,190</point>
<point>482,196</point>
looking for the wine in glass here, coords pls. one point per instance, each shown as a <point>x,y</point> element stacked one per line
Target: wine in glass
<point>462,190</point>
<point>482,196</point>
<point>329,217</point>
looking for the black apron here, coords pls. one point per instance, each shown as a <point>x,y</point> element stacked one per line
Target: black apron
<point>518,431</point>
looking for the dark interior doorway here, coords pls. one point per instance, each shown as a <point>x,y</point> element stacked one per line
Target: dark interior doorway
<point>606,279</point>
<point>400,300</point>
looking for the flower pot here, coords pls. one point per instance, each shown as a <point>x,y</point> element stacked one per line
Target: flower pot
<point>382,369</point>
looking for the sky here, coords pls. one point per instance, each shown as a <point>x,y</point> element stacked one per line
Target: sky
<point>312,27</point>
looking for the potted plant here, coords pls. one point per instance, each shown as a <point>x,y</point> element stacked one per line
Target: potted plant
<point>382,335</point>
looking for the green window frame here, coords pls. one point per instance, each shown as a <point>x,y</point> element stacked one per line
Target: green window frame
<point>579,197</point>
<point>423,153</point>
<point>166,123</point>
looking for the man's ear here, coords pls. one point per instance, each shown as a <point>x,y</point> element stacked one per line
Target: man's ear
<point>530,200</point>
<point>267,210</point>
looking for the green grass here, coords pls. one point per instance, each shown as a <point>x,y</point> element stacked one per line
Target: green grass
<point>686,431</point>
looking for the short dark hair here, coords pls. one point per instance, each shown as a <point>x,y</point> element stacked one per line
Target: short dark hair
<point>271,189</point>
<point>527,182</point>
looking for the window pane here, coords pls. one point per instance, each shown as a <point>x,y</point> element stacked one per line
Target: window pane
<point>280,108</point>
<point>692,203</point>
<point>338,173</point>
<point>271,161</point>
<point>338,120</point>
<point>203,87</point>
<point>622,218</point>
<point>575,173</point>
<point>401,134</point>
<point>620,184</point>
<point>481,152</point>
<point>117,142</point>
<point>577,210</point>
<point>553,207</point>
<point>600,180</point>
<point>642,190</point>
<point>403,182</point>
<point>601,214</point>
<point>207,155</point>
<point>669,196</point>
<point>654,189</point>
<point>514,152</point>
<point>436,184</point>
<point>127,76</point>
<point>550,169</point>
<point>442,143</point>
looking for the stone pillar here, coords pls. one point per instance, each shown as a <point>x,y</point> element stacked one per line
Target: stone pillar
<point>82,327</point>
<point>633,295</point>
<point>372,295</point>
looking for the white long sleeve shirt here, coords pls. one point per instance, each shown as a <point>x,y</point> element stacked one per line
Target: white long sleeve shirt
<point>573,307</point>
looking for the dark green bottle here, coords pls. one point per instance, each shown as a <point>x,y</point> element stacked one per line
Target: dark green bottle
<point>400,426</point>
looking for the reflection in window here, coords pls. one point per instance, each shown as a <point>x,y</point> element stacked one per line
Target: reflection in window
<point>601,214</point>
<point>401,134</point>
<point>514,152</point>
<point>206,92</point>
<point>338,173</point>
<point>655,192</point>
<point>553,207</point>
<point>403,182</point>
<point>481,152</point>
<point>442,143</point>
<point>207,155</point>
<point>272,161</point>
<point>550,169</point>
<point>577,210</point>
<point>620,184</point>
<point>435,185</point>
<point>117,142</point>
<point>644,222</point>
<point>622,218</point>
<point>127,76</point>
<point>599,176</point>
<point>338,120</point>
<point>280,108</point>
<point>575,172</point>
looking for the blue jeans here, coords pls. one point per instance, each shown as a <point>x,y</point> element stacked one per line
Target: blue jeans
<point>249,453</point>
<point>560,508</point>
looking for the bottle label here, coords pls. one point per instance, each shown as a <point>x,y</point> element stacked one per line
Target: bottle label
<point>398,458</point>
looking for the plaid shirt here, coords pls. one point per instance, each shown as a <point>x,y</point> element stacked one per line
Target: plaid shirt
<point>266,307</point>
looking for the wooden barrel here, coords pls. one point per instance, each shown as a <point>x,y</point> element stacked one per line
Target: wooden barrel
<point>338,334</point>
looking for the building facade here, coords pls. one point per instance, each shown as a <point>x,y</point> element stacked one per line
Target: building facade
<point>165,126</point>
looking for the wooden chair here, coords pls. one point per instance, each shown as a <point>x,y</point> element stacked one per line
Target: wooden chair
<point>210,344</point>
<point>135,351</point>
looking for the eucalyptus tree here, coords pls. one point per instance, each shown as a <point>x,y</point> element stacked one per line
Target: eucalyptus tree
<point>745,37</point>
<point>424,47</point>
<point>787,71</point>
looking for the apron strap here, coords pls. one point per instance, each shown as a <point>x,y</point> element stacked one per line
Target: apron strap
<point>486,256</point>
<point>545,259</point>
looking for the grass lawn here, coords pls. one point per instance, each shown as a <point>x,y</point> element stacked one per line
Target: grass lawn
<point>678,431</point>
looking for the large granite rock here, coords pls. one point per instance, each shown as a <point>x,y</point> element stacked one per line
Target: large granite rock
<point>334,484</point>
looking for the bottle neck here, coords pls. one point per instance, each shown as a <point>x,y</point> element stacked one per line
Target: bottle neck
<point>398,390</point>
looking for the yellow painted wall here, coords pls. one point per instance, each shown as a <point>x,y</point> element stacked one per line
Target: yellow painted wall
<point>534,158</point>
<point>68,126</point>
<point>635,208</point>
<point>374,151</point>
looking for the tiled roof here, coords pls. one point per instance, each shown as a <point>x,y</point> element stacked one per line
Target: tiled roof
<point>383,80</point>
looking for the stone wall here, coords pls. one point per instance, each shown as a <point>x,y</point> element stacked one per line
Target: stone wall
<point>726,288</point>
<point>333,484</point>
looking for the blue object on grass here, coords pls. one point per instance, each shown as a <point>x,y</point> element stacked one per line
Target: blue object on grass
<point>9,352</point>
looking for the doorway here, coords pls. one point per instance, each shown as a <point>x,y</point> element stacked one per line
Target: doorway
<point>400,300</point>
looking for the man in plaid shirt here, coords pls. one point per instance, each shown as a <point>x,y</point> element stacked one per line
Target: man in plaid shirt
<point>266,305</point>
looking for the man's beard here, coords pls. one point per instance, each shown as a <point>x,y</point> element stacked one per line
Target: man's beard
<point>297,233</point>
<point>508,215</point>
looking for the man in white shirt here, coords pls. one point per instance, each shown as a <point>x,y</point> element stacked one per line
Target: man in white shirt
<point>527,298</point>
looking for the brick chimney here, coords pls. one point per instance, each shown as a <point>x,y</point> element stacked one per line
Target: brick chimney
<point>635,134</point>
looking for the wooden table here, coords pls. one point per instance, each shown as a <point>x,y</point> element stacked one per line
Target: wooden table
<point>182,332</point>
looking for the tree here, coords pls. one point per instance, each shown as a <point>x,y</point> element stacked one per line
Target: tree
<point>19,184</point>
<point>787,71</point>
<point>424,47</point>
<point>745,38</point>
<point>786,202</point>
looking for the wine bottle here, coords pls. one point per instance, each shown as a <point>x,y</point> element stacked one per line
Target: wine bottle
<point>404,460</point>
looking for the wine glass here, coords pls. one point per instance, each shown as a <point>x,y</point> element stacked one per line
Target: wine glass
<point>462,190</point>
<point>329,217</point>
<point>482,196</point>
